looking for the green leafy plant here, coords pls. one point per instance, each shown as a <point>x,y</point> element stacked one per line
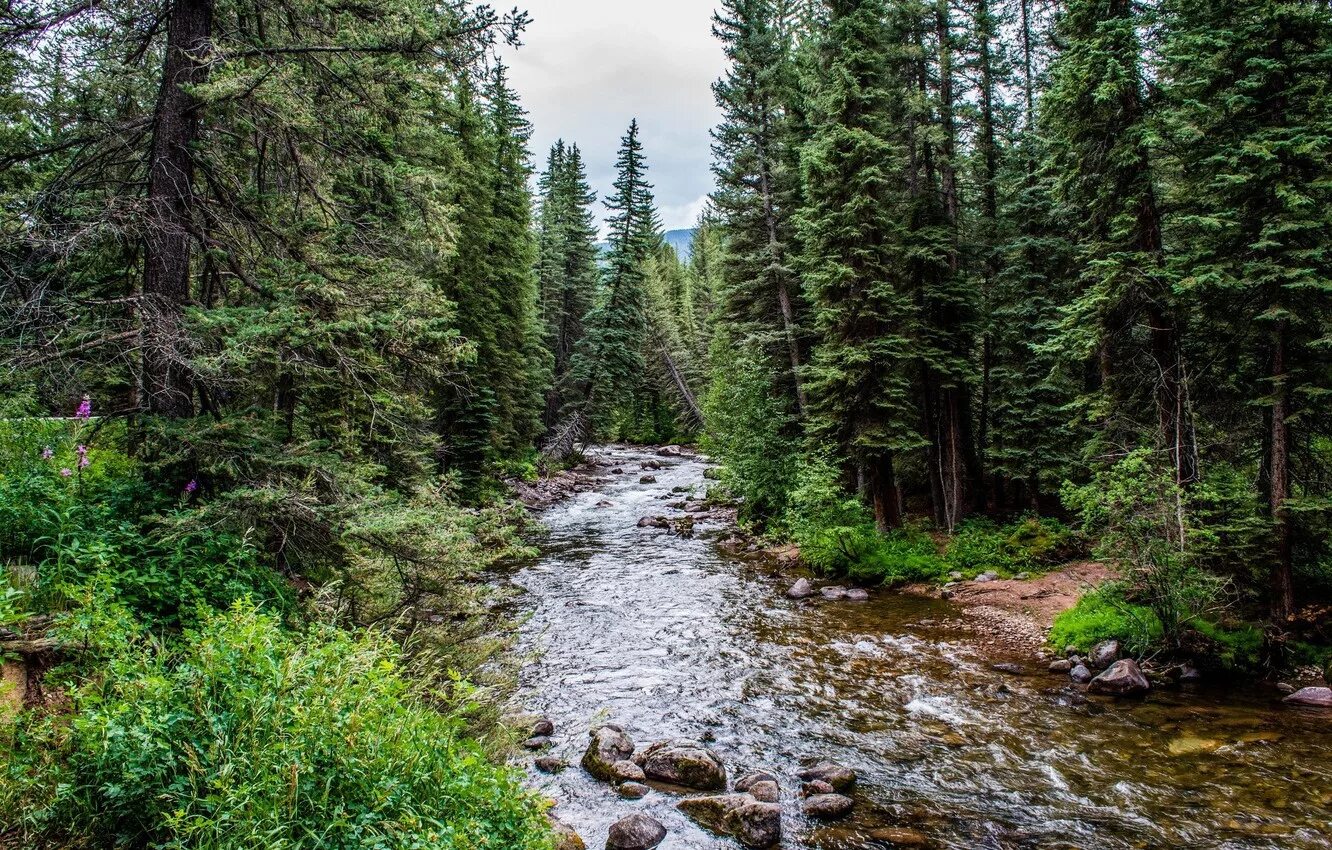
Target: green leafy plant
<point>246,735</point>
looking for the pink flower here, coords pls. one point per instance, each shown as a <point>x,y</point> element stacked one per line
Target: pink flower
<point>85,409</point>
<point>82,450</point>
<point>66,472</point>
<point>83,461</point>
<point>48,453</point>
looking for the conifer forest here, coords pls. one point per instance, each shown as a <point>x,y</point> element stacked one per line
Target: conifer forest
<point>959,477</point>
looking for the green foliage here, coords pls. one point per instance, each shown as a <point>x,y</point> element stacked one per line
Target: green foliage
<point>246,735</point>
<point>1028,545</point>
<point>1235,647</point>
<point>1105,614</point>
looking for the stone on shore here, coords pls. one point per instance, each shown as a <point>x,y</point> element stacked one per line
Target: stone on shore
<point>1061,665</point>
<point>1317,697</point>
<point>609,745</point>
<point>565,836</point>
<point>1123,679</point>
<point>636,832</point>
<point>1080,674</point>
<point>685,763</point>
<point>1104,654</point>
<point>752,822</point>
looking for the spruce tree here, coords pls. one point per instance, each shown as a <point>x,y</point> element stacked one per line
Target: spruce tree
<point>1250,115</point>
<point>757,184</point>
<point>854,263</point>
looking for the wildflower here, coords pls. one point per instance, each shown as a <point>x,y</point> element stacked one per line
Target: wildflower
<point>66,472</point>
<point>48,453</point>
<point>85,409</point>
<point>82,450</point>
<point>191,487</point>
<point>83,461</point>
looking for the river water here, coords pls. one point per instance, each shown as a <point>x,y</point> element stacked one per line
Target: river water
<point>668,637</point>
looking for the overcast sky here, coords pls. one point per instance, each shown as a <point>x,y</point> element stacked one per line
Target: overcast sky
<point>587,66</point>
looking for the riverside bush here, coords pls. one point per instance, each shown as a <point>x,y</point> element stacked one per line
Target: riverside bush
<point>244,735</point>
<point>1105,614</point>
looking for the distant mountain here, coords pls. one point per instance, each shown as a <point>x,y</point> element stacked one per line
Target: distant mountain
<point>682,241</point>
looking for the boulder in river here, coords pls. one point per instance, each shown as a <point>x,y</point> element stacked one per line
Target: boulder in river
<point>565,837</point>
<point>654,522</point>
<point>648,479</point>
<point>650,464</point>
<point>1318,697</point>
<point>828,806</point>
<point>817,786</point>
<point>537,742</point>
<point>636,832</point>
<point>833,592</point>
<point>856,594</point>
<point>842,779</point>
<point>802,589</point>
<point>671,451</point>
<point>744,783</point>
<point>750,821</point>
<point>766,791</point>
<point>1080,674</point>
<point>1123,679</point>
<point>543,727</point>
<point>550,764</point>
<point>633,790</point>
<point>1104,654</point>
<point>685,763</point>
<point>608,746</point>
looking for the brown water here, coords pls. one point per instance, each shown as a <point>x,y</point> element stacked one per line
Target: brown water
<point>667,637</point>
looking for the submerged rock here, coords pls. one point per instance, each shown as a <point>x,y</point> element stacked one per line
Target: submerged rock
<point>1319,697</point>
<point>1123,679</point>
<point>609,745</point>
<point>1104,654</point>
<point>802,589</point>
<point>633,790</point>
<point>685,763</point>
<point>900,836</point>
<point>636,832</point>
<point>1009,668</point>
<point>828,806</point>
<point>752,822</point>
<point>842,779</point>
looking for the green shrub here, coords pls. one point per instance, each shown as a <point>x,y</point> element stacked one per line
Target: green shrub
<point>1105,614</point>
<point>1236,647</point>
<point>246,736</point>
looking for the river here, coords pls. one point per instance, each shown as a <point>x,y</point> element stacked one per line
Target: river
<point>668,637</point>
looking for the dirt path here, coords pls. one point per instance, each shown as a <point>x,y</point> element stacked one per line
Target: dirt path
<point>1016,615</point>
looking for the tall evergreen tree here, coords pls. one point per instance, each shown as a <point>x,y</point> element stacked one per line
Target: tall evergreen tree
<point>756,183</point>
<point>853,227</point>
<point>1250,114</point>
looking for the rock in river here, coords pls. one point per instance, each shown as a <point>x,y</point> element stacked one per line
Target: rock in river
<point>543,727</point>
<point>565,837</point>
<point>550,764</point>
<point>828,806</point>
<point>1104,654</point>
<point>685,763</point>
<point>802,589</point>
<point>750,821</point>
<point>636,832</point>
<point>749,780</point>
<point>1061,665</point>
<point>648,479</point>
<point>833,592</point>
<point>856,594</point>
<point>654,522</point>
<point>608,746</point>
<point>1123,679</point>
<point>1321,697</point>
<point>1080,674</point>
<point>900,836</point>
<point>633,790</point>
<point>766,791</point>
<point>842,779</point>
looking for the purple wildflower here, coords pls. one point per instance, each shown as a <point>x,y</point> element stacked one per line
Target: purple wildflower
<point>82,450</point>
<point>48,453</point>
<point>66,472</point>
<point>83,462</point>
<point>85,409</point>
<point>191,487</point>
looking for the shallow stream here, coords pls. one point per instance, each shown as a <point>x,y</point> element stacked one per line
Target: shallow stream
<point>668,637</point>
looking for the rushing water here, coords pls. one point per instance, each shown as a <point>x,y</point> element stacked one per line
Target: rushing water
<point>667,637</point>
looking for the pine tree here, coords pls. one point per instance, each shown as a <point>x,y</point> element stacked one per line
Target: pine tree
<point>853,228</point>
<point>609,367</point>
<point>756,180</point>
<point>1250,115</point>
<point>1126,317</point>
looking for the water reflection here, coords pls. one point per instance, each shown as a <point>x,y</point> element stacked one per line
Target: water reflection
<point>666,637</point>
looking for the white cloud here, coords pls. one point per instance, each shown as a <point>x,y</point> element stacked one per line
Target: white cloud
<point>683,216</point>
<point>588,66</point>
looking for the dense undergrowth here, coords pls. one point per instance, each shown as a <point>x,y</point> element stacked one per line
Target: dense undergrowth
<point>209,696</point>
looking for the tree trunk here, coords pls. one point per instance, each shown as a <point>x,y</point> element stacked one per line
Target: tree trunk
<point>167,378</point>
<point>884,494</point>
<point>1283,591</point>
